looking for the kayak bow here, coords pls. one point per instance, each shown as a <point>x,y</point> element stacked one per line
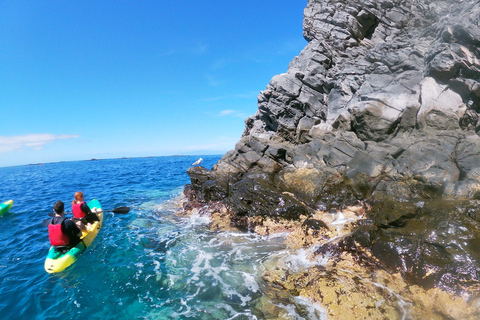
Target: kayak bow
<point>5,206</point>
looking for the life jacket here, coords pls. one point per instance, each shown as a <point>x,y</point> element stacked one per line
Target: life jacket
<point>55,233</point>
<point>77,210</point>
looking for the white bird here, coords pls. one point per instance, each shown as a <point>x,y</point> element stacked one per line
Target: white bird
<point>196,163</point>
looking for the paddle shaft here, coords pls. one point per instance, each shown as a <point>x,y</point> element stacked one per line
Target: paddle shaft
<point>120,210</point>
<point>116,210</point>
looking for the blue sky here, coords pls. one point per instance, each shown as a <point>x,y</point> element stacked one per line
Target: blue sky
<point>107,79</point>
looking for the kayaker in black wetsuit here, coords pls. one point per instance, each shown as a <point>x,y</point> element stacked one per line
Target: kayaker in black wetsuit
<point>81,211</point>
<point>63,232</point>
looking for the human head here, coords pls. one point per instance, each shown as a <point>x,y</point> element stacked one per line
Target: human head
<point>59,207</point>
<point>79,196</point>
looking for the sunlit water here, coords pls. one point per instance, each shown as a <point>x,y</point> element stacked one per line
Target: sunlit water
<point>147,264</point>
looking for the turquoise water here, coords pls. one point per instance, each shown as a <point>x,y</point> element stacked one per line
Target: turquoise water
<point>147,264</point>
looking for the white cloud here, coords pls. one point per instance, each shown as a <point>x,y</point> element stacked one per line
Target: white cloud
<point>212,99</point>
<point>226,112</point>
<point>214,80</point>
<point>232,114</point>
<point>34,141</point>
<point>250,95</point>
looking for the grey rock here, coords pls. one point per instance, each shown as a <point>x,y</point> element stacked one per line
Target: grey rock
<point>382,73</point>
<point>382,104</point>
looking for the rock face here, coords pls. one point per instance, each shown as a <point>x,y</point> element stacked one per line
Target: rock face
<point>385,94</point>
<point>382,105</point>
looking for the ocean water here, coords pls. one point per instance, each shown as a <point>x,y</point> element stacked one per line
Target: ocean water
<point>147,264</point>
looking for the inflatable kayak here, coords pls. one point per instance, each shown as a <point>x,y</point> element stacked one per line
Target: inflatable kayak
<point>5,207</point>
<point>57,261</point>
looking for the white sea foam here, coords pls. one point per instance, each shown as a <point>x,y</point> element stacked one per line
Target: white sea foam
<point>340,219</point>
<point>157,265</point>
<point>302,259</point>
<point>196,220</point>
<point>314,310</point>
<point>199,262</point>
<point>172,279</point>
<point>250,282</point>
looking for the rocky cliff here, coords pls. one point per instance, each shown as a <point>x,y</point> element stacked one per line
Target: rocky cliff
<point>380,109</point>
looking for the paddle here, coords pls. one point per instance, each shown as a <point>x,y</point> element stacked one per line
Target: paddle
<point>120,210</point>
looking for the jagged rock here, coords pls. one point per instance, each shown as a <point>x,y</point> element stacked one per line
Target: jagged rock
<point>382,104</point>
<point>378,75</point>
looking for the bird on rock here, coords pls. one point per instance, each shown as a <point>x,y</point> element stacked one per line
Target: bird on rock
<point>196,163</point>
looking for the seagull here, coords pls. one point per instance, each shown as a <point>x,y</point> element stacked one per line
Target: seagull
<point>196,163</point>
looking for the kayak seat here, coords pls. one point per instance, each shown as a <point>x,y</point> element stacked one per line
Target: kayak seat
<point>62,249</point>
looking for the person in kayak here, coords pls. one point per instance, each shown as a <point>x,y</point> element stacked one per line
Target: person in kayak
<point>63,232</point>
<point>80,209</point>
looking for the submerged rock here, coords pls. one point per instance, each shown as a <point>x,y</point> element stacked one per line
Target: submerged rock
<point>382,108</point>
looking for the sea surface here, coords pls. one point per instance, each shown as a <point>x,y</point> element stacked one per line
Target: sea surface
<point>146,264</point>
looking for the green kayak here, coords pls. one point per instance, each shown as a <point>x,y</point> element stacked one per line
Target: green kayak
<point>5,207</point>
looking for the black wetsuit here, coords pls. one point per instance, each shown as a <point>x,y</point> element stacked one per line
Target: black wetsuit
<point>90,217</point>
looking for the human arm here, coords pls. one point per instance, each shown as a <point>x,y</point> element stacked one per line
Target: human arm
<point>86,209</point>
<point>89,215</point>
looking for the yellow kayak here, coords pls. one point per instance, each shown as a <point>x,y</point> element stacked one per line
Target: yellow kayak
<point>58,261</point>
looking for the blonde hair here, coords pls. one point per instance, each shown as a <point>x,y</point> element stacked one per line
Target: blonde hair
<point>78,196</point>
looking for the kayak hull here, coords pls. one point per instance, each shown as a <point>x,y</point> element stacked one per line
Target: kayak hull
<point>58,261</point>
<point>5,206</point>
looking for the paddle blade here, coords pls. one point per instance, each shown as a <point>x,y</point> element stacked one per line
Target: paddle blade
<point>121,210</point>
<point>46,222</point>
